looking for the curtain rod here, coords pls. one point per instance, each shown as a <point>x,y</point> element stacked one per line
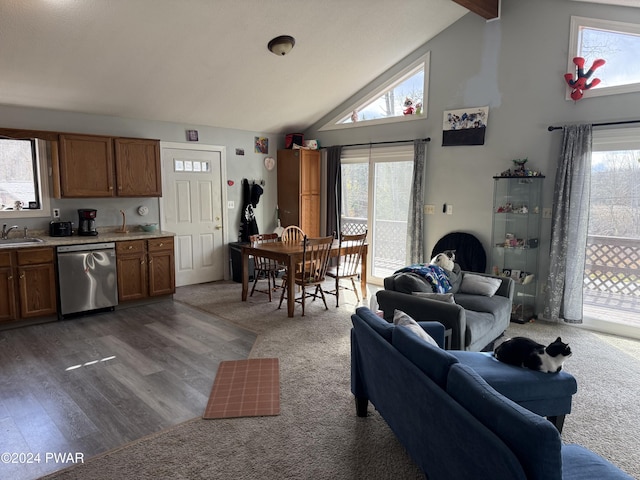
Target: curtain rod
<point>428,139</point>
<point>551,128</point>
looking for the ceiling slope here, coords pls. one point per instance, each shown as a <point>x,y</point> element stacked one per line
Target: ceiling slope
<point>201,62</point>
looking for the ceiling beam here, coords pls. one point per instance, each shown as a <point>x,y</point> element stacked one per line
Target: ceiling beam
<point>488,9</point>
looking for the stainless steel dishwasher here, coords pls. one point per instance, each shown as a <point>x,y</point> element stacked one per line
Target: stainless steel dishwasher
<point>87,277</point>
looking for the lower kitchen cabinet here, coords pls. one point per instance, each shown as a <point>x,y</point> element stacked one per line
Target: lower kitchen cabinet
<point>27,284</point>
<point>146,268</point>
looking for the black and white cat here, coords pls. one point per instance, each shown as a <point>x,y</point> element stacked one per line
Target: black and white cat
<point>524,352</point>
<point>445,260</point>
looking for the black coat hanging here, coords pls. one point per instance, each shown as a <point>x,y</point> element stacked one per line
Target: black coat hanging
<point>248,224</point>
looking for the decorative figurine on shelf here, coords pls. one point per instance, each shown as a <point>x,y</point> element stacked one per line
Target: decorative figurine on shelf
<point>354,116</point>
<point>519,166</point>
<point>409,109</point>
<point>519,170</point>
<point>418,108</point>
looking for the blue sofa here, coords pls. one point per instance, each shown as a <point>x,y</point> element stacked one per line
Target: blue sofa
<point>453,424</point>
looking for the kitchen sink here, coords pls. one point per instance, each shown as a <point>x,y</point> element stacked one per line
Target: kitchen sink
<point>19,241</point>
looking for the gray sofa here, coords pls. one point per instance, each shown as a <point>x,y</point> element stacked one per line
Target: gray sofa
<point>475,321</point>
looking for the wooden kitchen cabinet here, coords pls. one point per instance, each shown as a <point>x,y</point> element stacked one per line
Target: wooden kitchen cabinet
<point>27,284</point>
<point>88,166</point>
<point>131,261</point>
<point>138,167</point>
<point>162,278</point>
<point>146,268</point>
<point>299,189</point>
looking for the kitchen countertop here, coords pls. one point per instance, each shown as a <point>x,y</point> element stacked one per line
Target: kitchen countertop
<point>105,234</point>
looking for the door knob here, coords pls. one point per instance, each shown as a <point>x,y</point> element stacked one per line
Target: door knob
<point>218,227</point>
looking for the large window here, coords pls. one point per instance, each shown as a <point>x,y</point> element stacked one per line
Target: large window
<point>23,177</point>
<point>618,43</point>
<point>402,98</point>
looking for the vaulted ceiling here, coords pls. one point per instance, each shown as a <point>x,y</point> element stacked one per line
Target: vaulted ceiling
<point>205,62</point>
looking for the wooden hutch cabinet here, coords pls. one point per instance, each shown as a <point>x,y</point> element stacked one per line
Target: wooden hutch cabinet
<point>146,268</point>
<point>299,189</point>
<point>90,164</point>
<point>27,284</point>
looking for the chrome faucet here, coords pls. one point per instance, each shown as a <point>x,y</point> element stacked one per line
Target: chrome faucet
<point>5,230</point>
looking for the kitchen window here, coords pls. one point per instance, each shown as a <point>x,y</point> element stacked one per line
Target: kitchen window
<point>23,178</point>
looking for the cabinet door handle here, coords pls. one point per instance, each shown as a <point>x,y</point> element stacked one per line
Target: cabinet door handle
<point>10,277</point>
<point>161,244</point>
<point>130,247</point>
<point>141,262</point>
<point>21,276</point>
<point>150,260</point>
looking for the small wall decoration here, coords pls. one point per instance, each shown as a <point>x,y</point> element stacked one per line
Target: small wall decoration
<point>239,151</point>
<point>466,126</point>
<point>579,85</point>
<point>261,145</point>
<point>192,135</point>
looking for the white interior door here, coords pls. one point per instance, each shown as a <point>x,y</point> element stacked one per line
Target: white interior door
<point>192,209</point>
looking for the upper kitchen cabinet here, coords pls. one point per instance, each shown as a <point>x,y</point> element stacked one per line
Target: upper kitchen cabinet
<point>86,166</point>
<point>138,167</point>
<point>89,165</point>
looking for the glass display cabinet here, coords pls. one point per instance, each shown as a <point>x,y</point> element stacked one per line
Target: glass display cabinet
<point>517,211</point>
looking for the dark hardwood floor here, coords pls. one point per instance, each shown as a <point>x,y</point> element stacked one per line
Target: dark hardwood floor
<point>90,384</point>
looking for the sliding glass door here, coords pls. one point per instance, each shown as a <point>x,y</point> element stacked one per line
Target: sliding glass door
<point>612,266</point>
<point>376,186</point>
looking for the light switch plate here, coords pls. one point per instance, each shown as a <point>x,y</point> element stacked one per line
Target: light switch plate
<point>429,209</point>
<point>231,204</point>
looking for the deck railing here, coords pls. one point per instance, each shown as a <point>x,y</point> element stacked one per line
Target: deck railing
<point>613,266</point>
<point>389,243</point>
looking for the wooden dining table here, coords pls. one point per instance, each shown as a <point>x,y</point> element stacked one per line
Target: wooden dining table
<point>290,255</point>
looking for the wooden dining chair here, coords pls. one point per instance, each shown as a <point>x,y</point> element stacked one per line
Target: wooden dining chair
<point>265,268</point>
<point>292,234</point>
<point>315,259</point>
<point>348,264</point>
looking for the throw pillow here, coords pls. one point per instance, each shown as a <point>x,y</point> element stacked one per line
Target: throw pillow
<point>441,297</point>
<point>479,285</point>
<point>402,319</point>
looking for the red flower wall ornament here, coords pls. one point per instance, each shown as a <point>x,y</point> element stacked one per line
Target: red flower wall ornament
<point>579,85</point>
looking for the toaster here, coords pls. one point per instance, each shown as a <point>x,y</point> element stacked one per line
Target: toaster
<point>61,229</point>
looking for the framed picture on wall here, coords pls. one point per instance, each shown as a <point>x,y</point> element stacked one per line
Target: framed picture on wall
<point>466,126</point>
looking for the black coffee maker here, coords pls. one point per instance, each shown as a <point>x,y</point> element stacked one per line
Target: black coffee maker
<point>87,221</point>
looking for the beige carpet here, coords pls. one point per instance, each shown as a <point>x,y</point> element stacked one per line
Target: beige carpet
<point>317,435</point>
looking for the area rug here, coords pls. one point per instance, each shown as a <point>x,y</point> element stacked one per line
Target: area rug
<point>318,434</point>
<point>245,388</point>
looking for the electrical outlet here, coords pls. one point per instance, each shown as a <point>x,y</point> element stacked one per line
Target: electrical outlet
<point>429,209</point>
<point>449,209</point>
<point>55,213</point>
<point>546,212</point>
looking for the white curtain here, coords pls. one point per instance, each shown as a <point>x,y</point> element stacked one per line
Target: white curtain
<point>569,226</point>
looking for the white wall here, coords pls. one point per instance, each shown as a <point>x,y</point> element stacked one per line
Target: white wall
<point>249,166</point>
<point>515,66</point>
